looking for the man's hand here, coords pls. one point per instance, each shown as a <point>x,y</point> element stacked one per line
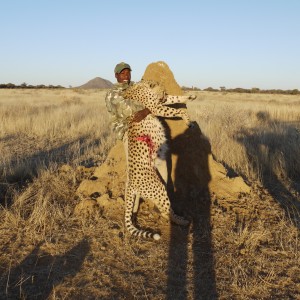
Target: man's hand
<point>141,115</point>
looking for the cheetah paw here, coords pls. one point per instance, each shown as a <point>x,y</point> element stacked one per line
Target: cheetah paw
<point>192,97</point>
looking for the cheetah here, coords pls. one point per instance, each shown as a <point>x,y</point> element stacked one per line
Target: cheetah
<point>147,143</point>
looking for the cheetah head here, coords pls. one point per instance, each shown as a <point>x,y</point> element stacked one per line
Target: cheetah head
<point>145,88</point>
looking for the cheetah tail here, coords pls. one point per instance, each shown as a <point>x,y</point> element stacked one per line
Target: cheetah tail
<point>143,233</point>
<point>132,229</point>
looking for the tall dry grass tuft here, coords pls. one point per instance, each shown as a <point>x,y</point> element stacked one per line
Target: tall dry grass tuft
<point>45,205</point>
<point>255,135</point>
<point>40,132</point>
<point>44,127</point>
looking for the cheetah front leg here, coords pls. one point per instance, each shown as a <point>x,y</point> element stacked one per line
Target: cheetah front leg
<point>170,112</point>
<point>169,99</point>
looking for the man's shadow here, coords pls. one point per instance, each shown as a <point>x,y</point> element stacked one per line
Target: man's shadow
<point>189,193</point>
<point>38,274</point>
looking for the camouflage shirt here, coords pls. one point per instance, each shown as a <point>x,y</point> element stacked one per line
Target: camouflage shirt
<point>120,109</point>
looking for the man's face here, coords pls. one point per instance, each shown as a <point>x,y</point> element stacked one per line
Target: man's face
<point>123,76</point>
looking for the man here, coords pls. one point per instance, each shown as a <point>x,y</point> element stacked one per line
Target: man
<point>119,108</point>
<point>122,109</point>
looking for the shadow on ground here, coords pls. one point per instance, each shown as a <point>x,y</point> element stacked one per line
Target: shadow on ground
<point>191,262</point>
<point>275,153</point>
<point>24,168</point>
<point>38,274</point>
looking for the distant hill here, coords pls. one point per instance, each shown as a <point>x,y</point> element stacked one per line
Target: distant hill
<point>97,83</point>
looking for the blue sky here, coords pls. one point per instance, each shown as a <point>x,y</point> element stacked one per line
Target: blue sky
<point>231,43</point>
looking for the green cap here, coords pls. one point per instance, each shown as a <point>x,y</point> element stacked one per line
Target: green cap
<point>121,66</point>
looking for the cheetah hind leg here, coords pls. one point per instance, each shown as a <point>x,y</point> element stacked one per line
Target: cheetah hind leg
<point>178,219</point>
<point>164,206</point>
<point>132,200</point>
<point>136,205</point>
<point>175,218</point>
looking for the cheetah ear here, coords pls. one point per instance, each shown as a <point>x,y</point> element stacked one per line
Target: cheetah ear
<point>152,83</point>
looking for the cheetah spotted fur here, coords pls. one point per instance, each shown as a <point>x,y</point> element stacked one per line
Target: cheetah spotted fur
<point>146,143</point>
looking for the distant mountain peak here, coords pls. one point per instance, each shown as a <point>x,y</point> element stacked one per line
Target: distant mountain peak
<point>97,83</point>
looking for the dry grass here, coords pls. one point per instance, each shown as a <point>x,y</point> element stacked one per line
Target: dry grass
<point>242,249</point>
<point>40,128</point>
<point>252,133</point>
<point>256,136</point>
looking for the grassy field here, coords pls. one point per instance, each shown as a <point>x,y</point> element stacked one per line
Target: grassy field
<point>50,140</point>
<point>256,136</point>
